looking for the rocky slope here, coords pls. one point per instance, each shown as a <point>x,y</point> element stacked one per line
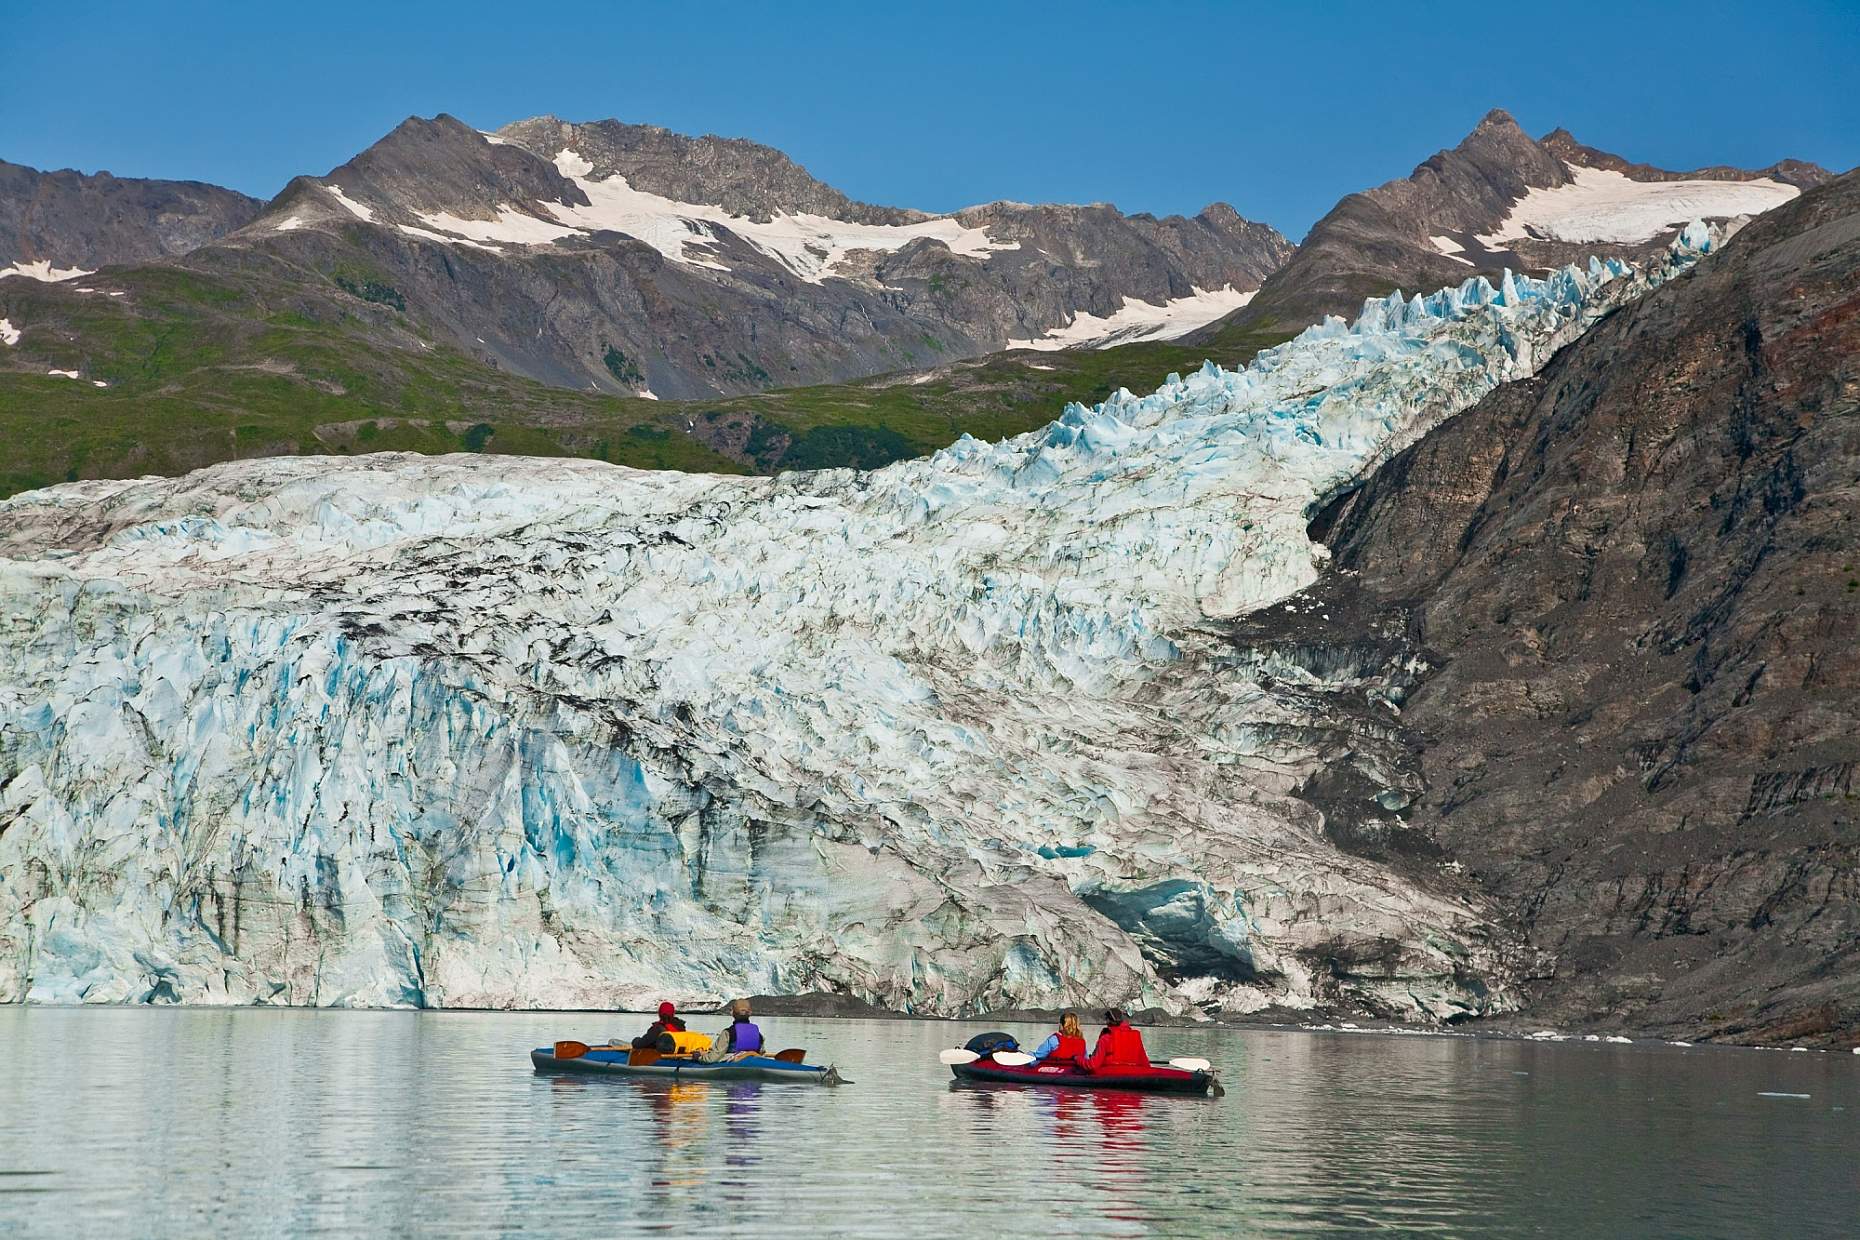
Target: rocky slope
<point>1634,585</point>
<point>1501,199</point>
<point>56,224</point>
<point>963,733</point>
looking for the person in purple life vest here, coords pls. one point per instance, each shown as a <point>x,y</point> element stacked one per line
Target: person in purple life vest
<point>741,1038</point>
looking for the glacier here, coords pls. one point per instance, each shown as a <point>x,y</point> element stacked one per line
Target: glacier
<point>957,735</point>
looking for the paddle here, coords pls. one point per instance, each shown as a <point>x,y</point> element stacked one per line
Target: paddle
<point>1010,1059</point>
<point>570,1050</point>
<point>792,1055</point>
<point>640,1056</point>
<point>1191,1065</point>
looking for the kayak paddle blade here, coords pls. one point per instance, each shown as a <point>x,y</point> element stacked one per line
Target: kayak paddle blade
<point>793,1054</point>
<point>570,1050</point>
<point>957,1055</point>
<point>1013,1059</point>
<point>643,1055</point>
<point>1191,1065</point>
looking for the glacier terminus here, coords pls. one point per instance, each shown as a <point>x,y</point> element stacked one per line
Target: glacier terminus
<point>956,735</point>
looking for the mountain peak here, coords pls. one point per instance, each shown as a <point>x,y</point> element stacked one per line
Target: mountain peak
<point>1498,120</point>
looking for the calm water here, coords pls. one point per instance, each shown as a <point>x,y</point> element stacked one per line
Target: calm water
<point>128,1122</point>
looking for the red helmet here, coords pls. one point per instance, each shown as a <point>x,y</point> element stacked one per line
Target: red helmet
<point>666,1009</point>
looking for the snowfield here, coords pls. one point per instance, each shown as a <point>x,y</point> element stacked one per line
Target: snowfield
<point>955,735</point>
<point>1142,320</point>
<point>1608,206</point>
<point>809,246</point>
<point>44,271</point>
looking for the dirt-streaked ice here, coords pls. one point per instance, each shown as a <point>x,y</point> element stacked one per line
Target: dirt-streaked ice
<point>957,734</point>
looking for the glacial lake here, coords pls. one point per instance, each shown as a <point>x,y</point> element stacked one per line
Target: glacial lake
<point>179,1122</point>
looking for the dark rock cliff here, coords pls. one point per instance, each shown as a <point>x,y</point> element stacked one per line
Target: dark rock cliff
<point>1634,583</point>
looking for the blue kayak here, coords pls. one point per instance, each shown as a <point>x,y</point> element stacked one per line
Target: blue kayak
<point>613,1061</point>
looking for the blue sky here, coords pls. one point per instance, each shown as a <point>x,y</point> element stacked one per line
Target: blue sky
<point>1277,108</point>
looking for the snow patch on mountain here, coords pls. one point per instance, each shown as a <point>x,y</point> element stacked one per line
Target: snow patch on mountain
<point>810,246</point>
<point>509,225</point>
<point>42,269</point>
<point>359,210</point>
<point>9,334</point>
<point>1601,205</point>
<point>1142,320</point>
<point>1452,249</point>
<point>954,735</point>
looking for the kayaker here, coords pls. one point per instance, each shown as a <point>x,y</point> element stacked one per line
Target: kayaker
<point>1066,1046</point>
<point>740,1038</point>
<point>1119,1044</point>
<point>668,1022</point>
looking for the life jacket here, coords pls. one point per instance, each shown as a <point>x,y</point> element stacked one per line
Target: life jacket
<point>1120,1046</point>
<point>683,1042</point>
<point>744,1036</point>
<point>1068,1048</point>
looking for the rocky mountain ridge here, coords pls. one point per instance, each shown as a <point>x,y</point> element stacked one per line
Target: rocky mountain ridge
<point>627,259</point>
<point>1501,199</point>
<point>67,222</point>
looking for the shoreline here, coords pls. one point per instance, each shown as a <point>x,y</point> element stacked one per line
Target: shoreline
<point>840,1007</point>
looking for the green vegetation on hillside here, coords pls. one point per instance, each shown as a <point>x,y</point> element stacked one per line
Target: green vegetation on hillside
<point>204,368</point>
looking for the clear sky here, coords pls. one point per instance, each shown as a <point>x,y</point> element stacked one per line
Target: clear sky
<point>1277,108</point>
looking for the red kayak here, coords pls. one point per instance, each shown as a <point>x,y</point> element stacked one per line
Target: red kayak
<point>1154,1078</point>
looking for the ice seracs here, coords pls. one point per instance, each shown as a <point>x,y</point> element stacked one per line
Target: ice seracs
<point>955,735</point>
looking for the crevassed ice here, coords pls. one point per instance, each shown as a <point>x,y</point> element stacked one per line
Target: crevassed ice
<point>952,735</point>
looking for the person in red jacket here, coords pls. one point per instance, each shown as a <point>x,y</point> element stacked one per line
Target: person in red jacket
<point>1065,1047</point>
<point>1119,1045</point>
<point>668,1022</point>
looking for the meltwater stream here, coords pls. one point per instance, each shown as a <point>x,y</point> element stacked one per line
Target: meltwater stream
<point>184,1122</point>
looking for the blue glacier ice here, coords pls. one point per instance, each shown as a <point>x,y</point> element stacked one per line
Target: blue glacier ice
<point>951,735</point>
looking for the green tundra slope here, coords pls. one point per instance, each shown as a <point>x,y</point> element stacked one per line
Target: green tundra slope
<point>177,368</point>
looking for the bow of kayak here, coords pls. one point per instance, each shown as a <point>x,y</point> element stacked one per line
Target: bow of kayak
<point>1154,1079</point>
<point>614,1061</point>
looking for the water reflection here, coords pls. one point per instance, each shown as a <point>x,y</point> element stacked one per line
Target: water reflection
<point>132,1123</point>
